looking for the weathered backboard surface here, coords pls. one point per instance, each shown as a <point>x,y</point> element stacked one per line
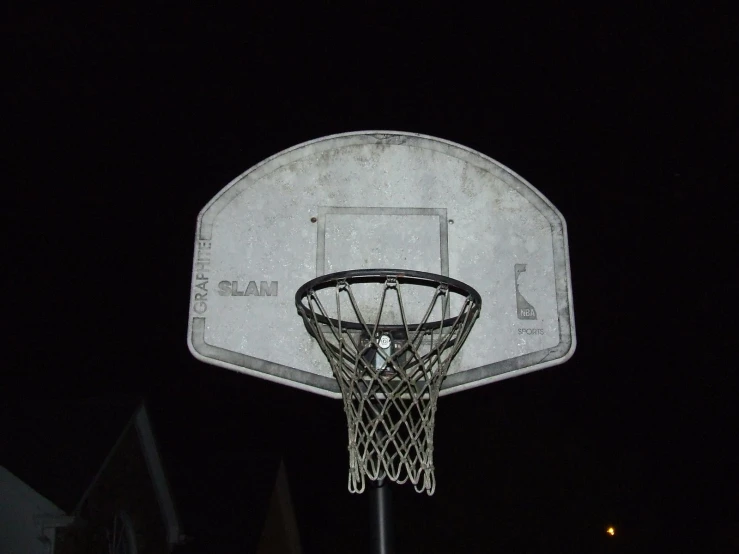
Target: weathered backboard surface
<point>379,200</point>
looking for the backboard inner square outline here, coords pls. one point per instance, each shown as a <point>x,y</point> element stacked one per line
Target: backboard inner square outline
<point>373,237</point>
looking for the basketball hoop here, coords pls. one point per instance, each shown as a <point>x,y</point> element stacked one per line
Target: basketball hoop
<point>389,369</point>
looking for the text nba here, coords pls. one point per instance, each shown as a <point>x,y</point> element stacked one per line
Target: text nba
<point>231,288</point>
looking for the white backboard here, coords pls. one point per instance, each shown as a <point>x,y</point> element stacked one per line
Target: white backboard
<point>379,199</point>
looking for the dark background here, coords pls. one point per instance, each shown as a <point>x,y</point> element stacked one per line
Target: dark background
<point>123,123</point>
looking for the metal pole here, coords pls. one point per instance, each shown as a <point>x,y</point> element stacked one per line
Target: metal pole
<point>381,534</point>
<point>381,530</point>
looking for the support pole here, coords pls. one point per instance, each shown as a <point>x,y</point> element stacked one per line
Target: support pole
<point>381,533</point>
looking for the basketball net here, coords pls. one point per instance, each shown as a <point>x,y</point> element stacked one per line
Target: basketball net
<point>389,375</point>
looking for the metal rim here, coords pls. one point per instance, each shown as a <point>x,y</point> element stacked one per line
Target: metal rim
<point>405,276</point>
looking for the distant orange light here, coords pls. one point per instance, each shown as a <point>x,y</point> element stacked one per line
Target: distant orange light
<point>611,531</point>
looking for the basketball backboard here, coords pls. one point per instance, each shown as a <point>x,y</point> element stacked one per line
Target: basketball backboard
<point>369,200</point>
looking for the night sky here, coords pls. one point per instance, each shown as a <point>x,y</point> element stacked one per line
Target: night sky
<point>123,124</point>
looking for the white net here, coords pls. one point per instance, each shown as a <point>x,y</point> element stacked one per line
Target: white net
<point>389,374</point>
